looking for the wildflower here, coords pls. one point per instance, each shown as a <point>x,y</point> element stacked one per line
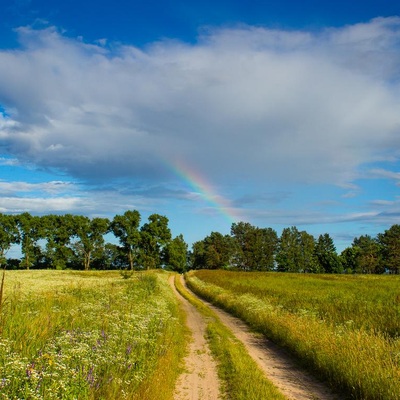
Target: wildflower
<point>30,370</point>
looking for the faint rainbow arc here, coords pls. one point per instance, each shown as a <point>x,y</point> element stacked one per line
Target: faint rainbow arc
<point>199,184</point>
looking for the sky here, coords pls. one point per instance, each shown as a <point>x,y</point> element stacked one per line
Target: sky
<point>277,113</point>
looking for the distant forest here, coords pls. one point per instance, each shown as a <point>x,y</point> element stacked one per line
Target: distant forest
<point>78,242</point>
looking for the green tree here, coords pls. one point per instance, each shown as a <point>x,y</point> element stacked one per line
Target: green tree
<point>198,255</point>
<point>31,230</point>
<point>348,258</point>
<point>154,237</point>
<point>296,251</point>
<point>126,229</point>
<point>213,252</point>
<point>218,250</point>
<point>307,261</point>
<point>114,257</point>
<point>390,249</point>
<point>289,250</point>
<point>90,238</point>
<point>368,254</point>
<point>325,252</point>
<point>59,230</point>
<point>9,235</point>
<point>255,247</point>
<point>176,254</point>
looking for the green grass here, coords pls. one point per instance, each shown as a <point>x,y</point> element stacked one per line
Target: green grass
<point>94,335</point>
<point>304,314</point>
<point>240,375</point>
<point>368,301</point>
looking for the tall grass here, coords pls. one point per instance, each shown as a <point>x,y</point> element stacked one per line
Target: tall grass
<point>70,335</point>
<point>361,358</point>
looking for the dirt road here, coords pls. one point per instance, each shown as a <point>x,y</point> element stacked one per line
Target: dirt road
<point>277,365</point>
<point>200,380</point>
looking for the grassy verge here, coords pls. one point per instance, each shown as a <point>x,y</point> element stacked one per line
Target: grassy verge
<point>364,363</point>
<point>241,377</point>
<point>88,335</point>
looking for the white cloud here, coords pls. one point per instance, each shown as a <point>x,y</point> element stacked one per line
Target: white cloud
<point>53,187</point>
<point>379,173</point>
<point>37,205</point>
<point>246,103</point>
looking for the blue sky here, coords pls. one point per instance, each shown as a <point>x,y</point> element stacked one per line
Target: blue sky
<point>278,113</point>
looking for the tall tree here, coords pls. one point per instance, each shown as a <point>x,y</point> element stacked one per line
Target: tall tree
<point>255,247</point>
<point>325,252</point>
<point>218,250</point>
<point>213,252</point>
<point>9,235</point>
<point>154,237</point>
<point>368,254</point>
<point>289,250</point>
<point>198,255</point>
<point>176,254</point>
<point>59,230</point>
<point>348,258</point>
<point>90,237</point>
<point>114,257</point>
<point>296,251</point>
<point>307,261</point>
<point>126,228</point>
<point>31,230</point>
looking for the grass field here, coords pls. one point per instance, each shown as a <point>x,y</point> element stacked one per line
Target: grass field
<point>92,335</point>
<point>346,328</point>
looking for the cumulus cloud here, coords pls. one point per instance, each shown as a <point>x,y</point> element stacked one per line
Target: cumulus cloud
<point>246,103</point>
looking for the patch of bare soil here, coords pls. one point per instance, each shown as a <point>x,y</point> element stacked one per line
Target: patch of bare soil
<point>277,364</point>
<point>200,380</point>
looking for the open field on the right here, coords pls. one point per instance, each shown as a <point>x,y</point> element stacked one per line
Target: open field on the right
<point>346,328</point>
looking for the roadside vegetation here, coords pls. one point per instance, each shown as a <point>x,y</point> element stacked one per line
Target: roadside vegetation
<point>89,335</point>
<point>241,378</point>
<point>345,328</point>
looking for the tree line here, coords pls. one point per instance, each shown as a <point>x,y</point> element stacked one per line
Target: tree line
<point>251,248</point>
<point>78,242</point>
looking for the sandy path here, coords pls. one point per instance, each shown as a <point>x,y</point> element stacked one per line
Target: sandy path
<point>200,381</point>
<point>277,365</point>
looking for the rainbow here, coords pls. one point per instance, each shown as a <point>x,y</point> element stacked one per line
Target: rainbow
<point>201,186</point>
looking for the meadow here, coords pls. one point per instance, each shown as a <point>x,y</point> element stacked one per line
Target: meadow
<point>89,335</point>
<point>345,328</point>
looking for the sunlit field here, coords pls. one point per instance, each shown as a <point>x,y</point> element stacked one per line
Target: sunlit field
<point>346,328</point>
<point>88,335</point>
